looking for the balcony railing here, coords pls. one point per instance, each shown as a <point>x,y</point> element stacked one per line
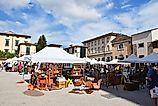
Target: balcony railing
<point>100,53</point>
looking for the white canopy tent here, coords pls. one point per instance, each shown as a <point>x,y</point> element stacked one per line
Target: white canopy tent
<point>102,62</point>
<point>151,58</point>
<point>93,61</point>
<point>8,60</point>
<point>55,55</point>
<point>25,58</point>
<point>86,59</point>
<point>115,61</point>
<point>14,59</point>
<point>131,59</point>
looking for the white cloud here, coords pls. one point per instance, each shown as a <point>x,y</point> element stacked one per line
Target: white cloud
<point>126,6</point>
<point>10,4</point>
<point>82,19</point>
<point>91,30</point>
<point>78,9</point>
<point>125,2</point>
<point>148,14</point>
<point>127,19</point>
<point>140,18</point>
<point>36,27</point>
<point>109,4</point>
<point>58,38</point>
<point>9,25</point>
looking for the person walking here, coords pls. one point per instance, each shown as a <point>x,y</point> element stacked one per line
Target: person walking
<point>153,83</point>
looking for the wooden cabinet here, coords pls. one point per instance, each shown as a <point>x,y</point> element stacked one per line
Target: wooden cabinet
<point>76,71</point>
<point>57,70</point>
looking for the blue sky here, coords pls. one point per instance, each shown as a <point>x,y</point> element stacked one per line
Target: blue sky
<point>73,21</point>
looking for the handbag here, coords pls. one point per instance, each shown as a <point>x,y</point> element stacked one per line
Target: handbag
<point>155,90</point>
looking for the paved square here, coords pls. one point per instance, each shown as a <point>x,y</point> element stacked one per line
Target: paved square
<point>11,94</point>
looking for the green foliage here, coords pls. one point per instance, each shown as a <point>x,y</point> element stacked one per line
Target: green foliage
<point>7,54</point>
<point>42,42</point>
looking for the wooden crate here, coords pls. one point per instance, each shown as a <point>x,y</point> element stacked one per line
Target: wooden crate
<point>61,84</point>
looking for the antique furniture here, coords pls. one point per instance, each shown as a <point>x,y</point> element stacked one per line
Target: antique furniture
<point>113,79</point>
<point>61,84</point>
<point>42,81</point>
<point>97,85</point>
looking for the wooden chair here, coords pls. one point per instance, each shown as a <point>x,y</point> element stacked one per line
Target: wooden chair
<point>79,82</point>
<point>97,85</point>
<point>42,82</point>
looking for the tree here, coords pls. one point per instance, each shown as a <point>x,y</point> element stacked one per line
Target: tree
<point>7,54</point>
<point>42,42</point>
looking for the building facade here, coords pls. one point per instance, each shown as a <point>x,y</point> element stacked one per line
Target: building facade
<point>26,49</point>
<point>77,50</point>
<point>9,41</point>
<point>100,47</point>
<point>121,47</point>
<point>145,42</point>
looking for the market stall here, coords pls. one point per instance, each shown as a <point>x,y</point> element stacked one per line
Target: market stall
<point>131,59</point>
<point>52,64</point>
<point>55,55</point>
<point>151,58</point>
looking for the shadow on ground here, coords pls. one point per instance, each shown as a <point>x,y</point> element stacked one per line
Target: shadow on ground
<point>140,97</point>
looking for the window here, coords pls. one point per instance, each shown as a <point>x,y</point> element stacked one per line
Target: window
<point>88,51</point>
<point>141,56</point>
<point>91,43</point>
<point>88,44</point>
<point>92,50</point>
<point>126,56</point>
<point>16,42</point>
<point>75,51</point>
<point>115,57</point>
<point>111,58</point>
<point>99,42</point>
<point>121,57</point>
<point>140,45</point>
<point>25,41</point>
<point>6,50</point>
<point>103,48</point>
<point>108,48</point>
<point>7,42</point>
<point>95,50</point>
<point>108,59</point>
<point>108,38</point>
<point>120,46</point>
<point>98,59</point>
<point>27,50</point>
<point>98,49</point>
<point>155,44</point>
<point>102,41</point>
<point>95,43</point>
